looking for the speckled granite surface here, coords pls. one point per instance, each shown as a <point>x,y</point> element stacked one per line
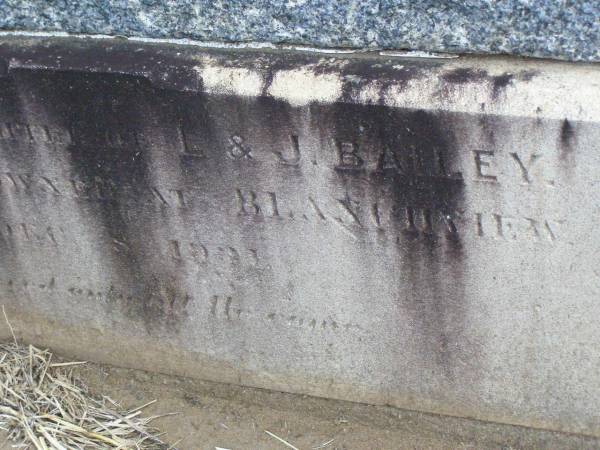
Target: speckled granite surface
<point>564,29</point>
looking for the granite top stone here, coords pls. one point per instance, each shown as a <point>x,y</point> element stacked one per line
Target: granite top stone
<point>567,29</point>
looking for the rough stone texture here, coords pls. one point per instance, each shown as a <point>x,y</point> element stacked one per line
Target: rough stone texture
<point>411,232</point>
<point>542,28</point>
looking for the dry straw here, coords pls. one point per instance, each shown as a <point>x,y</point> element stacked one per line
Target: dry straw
<point>44,407</point>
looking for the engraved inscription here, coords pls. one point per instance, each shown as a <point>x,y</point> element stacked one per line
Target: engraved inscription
<point>227,308</point>
<point>25,233</point>
<point>525,167</point>
<point>505,227</point>
<point>426,221</point>
<point>96,189</point>
<point>520,168</point>
<point>189,146</point>
<point>293,159</point>
<point>238,149</point>
<point>248,204</point>
<point>379,236</point>
<point>349,159</point>
<point>34,133</point>
<point>483,166</point>
<point>108,138</point>
<point>202,254</point>
<point>351,216</point>
<point>162,301</point>
<point>168,197</point>
<point>411,164</point>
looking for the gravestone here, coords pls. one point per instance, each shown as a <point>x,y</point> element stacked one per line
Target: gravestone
<point>406,231</point>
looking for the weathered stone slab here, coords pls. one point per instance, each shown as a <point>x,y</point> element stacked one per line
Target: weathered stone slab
<point>413,232</point>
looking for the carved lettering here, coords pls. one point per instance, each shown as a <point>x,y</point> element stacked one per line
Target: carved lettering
<point>25,233</point>
<point>157,195</point>
<point>168,197</point>
<point>274,211</point>
<point>511,228</point>
<point>227,308</point>
<point>388,161</point>
<point>247,203</point>
<point>348,157</point>
<point>34,133</point>
<point>175,250</point>
<point>349,207</point>
<point>479,221</point>
<point>120,246</point>
<point>525,168</point>
<point>294,158</point>
<point>237,148</point>
<point>203,254</point>
<point>351,216</point>
<point>483,164</point>
<point>375,214</point>
<point>107,138</point>
<point>190,148</point>
<point>221,307</point>
<point>49,185</point>
<point>198,253</point>
<point>316,209</point>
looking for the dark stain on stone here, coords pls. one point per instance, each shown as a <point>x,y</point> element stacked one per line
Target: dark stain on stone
<point>105,113</point>
<point>18,156</point>
<point>500,82</point>
<point>567,135</point>
<point>164,299</point>
<point>267,82</point>
<point>174,68</point>
<point>410,157</point>
<point>197,132</point>
<point>164,69</point>
<point>527,75</point>
<point>408,149</point>
<point>490,125</point>
<point>429,203</point>
<point>269,71</point>
<point>3,67</point>
<point>463,75</point>
<point>351,88</point>
<point>407,156</point>
<point>567,138</point>
<point>436,307</point>
<point>359,73</point>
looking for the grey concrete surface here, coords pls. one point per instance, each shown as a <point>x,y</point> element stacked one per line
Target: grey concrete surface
<point>411,232</point>
<point>541,28</point>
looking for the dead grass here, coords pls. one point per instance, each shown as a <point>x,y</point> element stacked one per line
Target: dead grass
<point>43,406</point>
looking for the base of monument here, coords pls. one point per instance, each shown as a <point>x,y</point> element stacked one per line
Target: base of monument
<point>413,232</point>
<point>140,371</point>
<point>217,415</point>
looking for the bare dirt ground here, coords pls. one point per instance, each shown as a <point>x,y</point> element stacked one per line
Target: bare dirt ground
<point>213,415</point>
